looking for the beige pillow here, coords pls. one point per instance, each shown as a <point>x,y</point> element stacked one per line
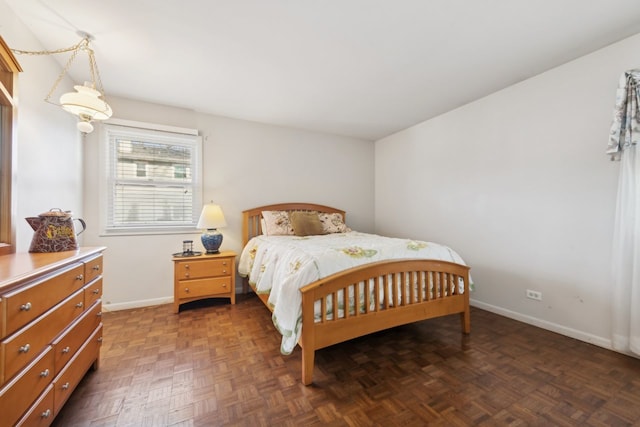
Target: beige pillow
<point>333,223</point>
<point>306,223</point>
<point>276,223</point>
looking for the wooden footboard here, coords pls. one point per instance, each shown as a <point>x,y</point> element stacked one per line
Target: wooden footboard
<point>391,294</point>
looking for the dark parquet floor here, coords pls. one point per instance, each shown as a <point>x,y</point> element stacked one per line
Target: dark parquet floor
<point>219,365</point>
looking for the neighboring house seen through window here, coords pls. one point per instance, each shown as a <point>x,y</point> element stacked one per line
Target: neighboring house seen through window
<point>152,180</point>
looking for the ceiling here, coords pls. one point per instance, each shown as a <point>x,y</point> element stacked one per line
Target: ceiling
<point>361,68</point>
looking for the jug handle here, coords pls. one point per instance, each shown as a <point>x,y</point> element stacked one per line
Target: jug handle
<point>84,225</point>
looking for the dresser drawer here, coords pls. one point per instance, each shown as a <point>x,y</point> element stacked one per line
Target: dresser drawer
<point>92,292</point>
<point>92,268</point>
<point>204,268</point>
<point>24,305</point>
<point>19,394</point>
<point>66,345</point>
<point>68,379</point>
<point>41,413</point>
<point>201,287</point>
<point>20,348</point>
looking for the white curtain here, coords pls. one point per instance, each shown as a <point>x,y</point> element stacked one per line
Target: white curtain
<point>623,143</point>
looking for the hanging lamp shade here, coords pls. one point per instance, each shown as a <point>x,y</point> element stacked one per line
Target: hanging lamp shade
<point>87,101</point>
<point>86,104</point>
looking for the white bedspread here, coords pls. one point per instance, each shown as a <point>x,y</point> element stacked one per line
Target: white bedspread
<point>281,265</point>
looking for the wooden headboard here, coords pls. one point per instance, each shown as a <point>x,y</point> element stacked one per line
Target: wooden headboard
<point>252,227</point>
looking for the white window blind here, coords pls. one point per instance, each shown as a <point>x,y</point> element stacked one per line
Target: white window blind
<point>152,180</point>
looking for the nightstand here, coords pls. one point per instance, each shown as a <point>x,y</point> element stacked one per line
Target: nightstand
<point>204,276</point>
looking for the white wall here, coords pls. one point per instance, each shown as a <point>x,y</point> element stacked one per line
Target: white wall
<point>518,183</point>
<point>246,164</point>
<point>49,148</point>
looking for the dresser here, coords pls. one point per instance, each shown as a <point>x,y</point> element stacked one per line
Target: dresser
<point>50,330</point>
<point>204,276</point>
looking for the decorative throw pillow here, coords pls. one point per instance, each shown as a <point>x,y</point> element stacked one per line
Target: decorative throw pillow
<point>333,223</point>
<point>276,223</point>
<point>306,224</point>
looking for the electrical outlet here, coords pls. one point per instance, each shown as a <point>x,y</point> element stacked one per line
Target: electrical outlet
<point>536,295</point>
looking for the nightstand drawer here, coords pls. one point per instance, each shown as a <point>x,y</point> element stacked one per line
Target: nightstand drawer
<point>205,268</point>
<point>202,287</point>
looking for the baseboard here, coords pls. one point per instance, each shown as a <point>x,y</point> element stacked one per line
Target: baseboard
<point>550,326</point>
<point>136,304</point>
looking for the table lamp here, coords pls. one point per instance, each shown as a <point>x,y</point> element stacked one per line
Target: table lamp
<point>211,219</point>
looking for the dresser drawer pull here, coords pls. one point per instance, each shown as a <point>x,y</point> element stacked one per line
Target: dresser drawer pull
<point>186,266</point>
<point>46,414</point>
<point>66,350</point>
<point>99,339</point>
<point>24,349</point>
<point>96,268</point>
<point>65,386</point>
<point>25,307</point>
<point>80,304</point>
<point>224,271</point>
<point>96,291</point>
<point>99,314</point>
<point>44,374</point>
<point>186,290</point>
<point>79,277</point>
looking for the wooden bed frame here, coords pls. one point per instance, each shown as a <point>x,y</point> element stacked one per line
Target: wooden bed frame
<point>390,310</point>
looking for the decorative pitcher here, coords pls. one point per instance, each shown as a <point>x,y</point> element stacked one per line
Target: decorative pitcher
<point>54,231</point>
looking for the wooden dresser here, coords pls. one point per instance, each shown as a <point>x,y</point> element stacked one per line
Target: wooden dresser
<point>50,330</point>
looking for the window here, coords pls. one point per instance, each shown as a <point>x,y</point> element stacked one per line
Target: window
<point>152,180</point>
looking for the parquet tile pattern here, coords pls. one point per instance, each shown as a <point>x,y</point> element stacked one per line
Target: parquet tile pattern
<point>220,365</point>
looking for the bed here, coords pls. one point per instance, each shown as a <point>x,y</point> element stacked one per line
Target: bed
<point>366,296</point>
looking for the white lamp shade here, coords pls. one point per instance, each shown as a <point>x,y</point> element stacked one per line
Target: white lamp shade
<point>86,103</point>
<point>211,217</point>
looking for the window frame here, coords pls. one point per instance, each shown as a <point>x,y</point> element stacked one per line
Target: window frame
<point>9,69</point>
<point>152,133</point>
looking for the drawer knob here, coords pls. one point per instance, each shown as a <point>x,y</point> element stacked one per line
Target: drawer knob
<point>186,290</point>
<point>65,386</point>
<point>224,271</point>
<point>96,268</point>
<point>24,349</point>
<point>25,307</point>
<point>80,304</point>
<point>99,314</point>
<point>79,277</point>
<point>96,291</point>
<point>224,262</point>
<point>66,350</point>
<point>44,374</point>
<point>99,339</point>
<point>46,414</point>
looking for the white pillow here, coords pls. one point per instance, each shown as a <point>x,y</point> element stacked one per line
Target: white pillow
<point>333,223</point>
<point>276,223</point>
